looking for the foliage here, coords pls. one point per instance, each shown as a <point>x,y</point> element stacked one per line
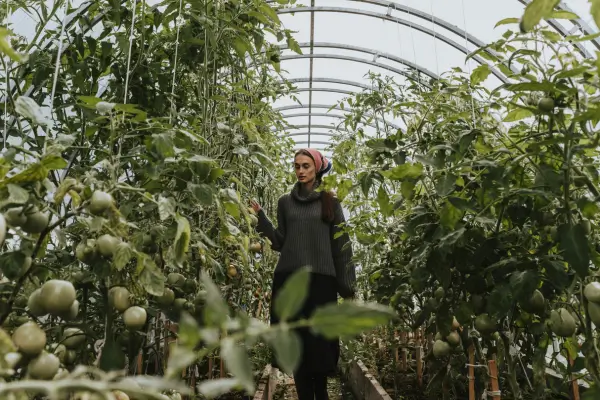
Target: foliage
<point>485,208</point>
<point>124,185</point>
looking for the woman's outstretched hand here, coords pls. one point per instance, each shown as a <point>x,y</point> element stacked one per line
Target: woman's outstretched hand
<point>255,206</point>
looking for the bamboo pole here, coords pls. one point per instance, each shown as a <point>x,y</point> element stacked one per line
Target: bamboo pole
<point>419,355</point>
<point>471,372</point>
<point>574,381</point>
<point>494,379</point>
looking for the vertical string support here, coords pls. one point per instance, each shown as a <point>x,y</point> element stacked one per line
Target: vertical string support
<point>412,39</point>
<point>468,66</point>
<point>57,65</point>
<point>7,90</point>
<point>437,61</point>
<point>177,23</point>
<point>131,33</point>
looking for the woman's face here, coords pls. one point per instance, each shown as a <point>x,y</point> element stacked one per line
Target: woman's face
<point>304,167</point>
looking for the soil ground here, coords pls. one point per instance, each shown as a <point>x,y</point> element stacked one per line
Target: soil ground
<point>287,391</point>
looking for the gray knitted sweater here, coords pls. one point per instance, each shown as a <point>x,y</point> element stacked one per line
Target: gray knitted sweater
<point>303,239</point>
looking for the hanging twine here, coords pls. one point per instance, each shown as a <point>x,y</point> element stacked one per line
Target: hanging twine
<point>57,65</point>
<point>6,94</point>
<point>177,23</point>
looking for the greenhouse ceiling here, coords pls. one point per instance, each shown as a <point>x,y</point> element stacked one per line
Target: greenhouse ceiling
<point>342,41</point>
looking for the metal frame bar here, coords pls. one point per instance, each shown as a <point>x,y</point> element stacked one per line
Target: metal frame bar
<point>332,90</point>
<point>323,106</point>
<point>309,126</point>
<point>420,28</point>
<point>348,58</point>
<point>313,142</point>
<point>374,53</point>
<point>306,133</point>
<point>328,80</point>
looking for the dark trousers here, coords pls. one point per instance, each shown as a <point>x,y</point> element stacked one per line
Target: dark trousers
<point>311,386</point>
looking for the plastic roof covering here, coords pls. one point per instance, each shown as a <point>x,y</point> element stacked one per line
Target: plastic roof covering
<point>366,27</point>
<point>351,38</point>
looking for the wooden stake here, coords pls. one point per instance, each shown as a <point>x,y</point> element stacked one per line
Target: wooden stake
<point>404,361</point>
<point>210,367</point>
<point>419,355</point>
<point>574,381</point>
<point>471,372</point>
<point>494,378</point>
<point>138,370</point>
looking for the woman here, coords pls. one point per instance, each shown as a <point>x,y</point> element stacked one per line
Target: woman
<point>308,221</point>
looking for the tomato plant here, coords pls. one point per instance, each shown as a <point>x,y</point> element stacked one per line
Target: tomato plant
<point>484,210</point>
<point>126,206</point>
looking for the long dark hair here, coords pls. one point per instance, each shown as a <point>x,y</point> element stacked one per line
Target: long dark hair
<point>327,196</point>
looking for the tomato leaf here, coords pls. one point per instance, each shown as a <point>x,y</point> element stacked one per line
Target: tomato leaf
<point>182,239</point>
<point>518,114</point>
<point>11,264</point>
<point>214,388</point>
<point>151,278</point>
<point>573,242</point>
<point>507,21</point>
<point>535,11</point>
<point>349,319</point>
<point>238,363</point>
<point>287,347</point>
<point>293,294</point>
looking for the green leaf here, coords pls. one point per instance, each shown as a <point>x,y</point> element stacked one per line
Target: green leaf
<point>293,45</point>
<point>11,264</point>
<point>588,208</point>
<point>595,11</point>
<point>293,294</point>
<point>166,207</point>
<point>188,332</point>
<point>287,347</point>
<point>123,254</point>
<point>407,188</point>
<point>112,358</point>
<point>450,215</point>
<point>507,21</point>
<point>53,162</point>
<point>180,357</point>
<point>203,192</point>
<point>349,319</point>
<point>384,202</point>
<point>445,184</point>
<point>518,114</point>
<point>535,11</point>
<point>17,194</point>
<point>6,48</point>
<point>480,74</point>
<point>573,242</point>
<point>523,283</point>
<point>182,239</point>
<point>562,14</point>
<point>405,171</point>
<point>216,311</point>
<point>151,278</point>
<point>238,363</point>
<point>213,388</point>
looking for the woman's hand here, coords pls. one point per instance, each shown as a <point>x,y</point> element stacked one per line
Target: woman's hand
<point>255,206</point>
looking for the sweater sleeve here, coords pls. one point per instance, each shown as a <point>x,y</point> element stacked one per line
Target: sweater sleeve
<point>265,227</point>
<point>342,255</point>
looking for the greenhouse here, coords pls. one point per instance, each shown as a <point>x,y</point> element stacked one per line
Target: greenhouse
<point>270,199</point>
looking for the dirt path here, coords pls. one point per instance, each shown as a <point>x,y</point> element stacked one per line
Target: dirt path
<point>287,391</point>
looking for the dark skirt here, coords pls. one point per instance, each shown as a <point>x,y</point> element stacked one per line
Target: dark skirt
<point>319,355</point>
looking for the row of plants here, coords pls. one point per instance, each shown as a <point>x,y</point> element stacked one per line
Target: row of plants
<point>125,210</point>
<point>479,221</point>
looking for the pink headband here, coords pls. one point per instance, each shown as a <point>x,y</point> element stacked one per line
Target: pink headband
<point>321,163</point>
